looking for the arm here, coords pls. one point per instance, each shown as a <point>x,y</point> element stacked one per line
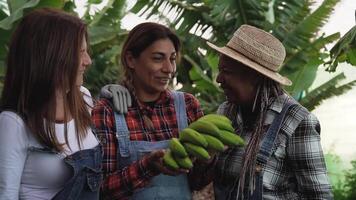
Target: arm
<point>13,152</point>
<point>118,184</point>
<point>306,157</point>
<point>194,111</point>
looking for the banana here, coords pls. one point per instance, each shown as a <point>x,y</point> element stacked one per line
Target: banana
<point>192,136</point>
<point>231,139</point>
<point>185,163</point>
<point>177,148</point>
<point>214,143</point>
<point>217,117</point>
<point>206,127</point>
<point>197,151</point>
<point>169,160</point>
<point>222,125</point>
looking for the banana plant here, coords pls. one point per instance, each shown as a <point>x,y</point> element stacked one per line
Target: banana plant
<point>104,27</point>
<point>10,14</point>
<point>292,21</point>
<point>343,51</point>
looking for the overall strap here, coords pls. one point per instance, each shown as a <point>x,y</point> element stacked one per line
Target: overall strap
<point>122,134</point>
<point>181,113</point>
<point>271,135</point>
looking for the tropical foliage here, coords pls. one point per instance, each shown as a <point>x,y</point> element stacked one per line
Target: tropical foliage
<point>343,51</point>
<point>104,25</point>
<point>292,21</point>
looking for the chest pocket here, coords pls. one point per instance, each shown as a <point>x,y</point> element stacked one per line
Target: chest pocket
<point>279,150</point>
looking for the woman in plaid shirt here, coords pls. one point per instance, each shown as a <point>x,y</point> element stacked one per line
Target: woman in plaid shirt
<point>283,158</point>
<point>133,143</point>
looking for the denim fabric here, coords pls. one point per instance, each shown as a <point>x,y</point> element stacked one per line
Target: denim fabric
<point>87,176</point>
<point>161,186</point>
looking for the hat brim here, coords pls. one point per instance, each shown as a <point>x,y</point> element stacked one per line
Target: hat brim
<point>257,67</point>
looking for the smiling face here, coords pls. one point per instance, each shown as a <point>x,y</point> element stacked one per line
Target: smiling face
<point>84,62</point>
<point>153,69</point>
<point>238,81</point>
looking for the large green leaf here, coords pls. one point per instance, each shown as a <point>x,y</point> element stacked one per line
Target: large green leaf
<point>329,89</point>
<point>301,34</point>
<point>7,23</point>
<point>100,34</point>
<point>304,77</point>
<point>343,51</point>
<point>19,7</point>
<point>200,78</point>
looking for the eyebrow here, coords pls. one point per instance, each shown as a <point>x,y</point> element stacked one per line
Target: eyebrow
<point>163,54</point>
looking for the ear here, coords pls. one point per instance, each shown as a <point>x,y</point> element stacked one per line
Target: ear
<point>130,60</point>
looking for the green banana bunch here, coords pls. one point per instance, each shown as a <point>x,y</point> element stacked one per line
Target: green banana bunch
<point>185,162</point>
<point>211,131</point>
<point>231,139</point>
<point>222,125</point>
<point>214,143</point>
<point>197,151</point>
<point>169,161</point>
<point>205,127</point>
<point>216,117</point>
<point>192,136</point>
<point>177,148</point>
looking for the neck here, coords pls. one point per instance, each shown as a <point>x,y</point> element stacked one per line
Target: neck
<point>145,96</point>
<point>249,117</point>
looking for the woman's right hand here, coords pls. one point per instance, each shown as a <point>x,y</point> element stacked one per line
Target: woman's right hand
<point>156,160</point>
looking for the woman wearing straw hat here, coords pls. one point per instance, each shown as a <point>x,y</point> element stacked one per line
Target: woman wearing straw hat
<point>283,158</point>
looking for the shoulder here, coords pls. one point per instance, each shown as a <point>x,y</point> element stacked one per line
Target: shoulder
<point>299,117</point>
<point>14,126</point>
<point>189,98</point>
<point>103,106</point>
<point>10,119</point>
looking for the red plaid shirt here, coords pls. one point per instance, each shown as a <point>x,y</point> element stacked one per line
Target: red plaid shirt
<point>120,184</point>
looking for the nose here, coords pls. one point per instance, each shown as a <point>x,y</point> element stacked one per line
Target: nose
<point>220,78</point>
<point>169,66</point>
<point>87,60</point>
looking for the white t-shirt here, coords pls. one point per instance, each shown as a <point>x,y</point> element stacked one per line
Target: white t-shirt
<point>26,175</point>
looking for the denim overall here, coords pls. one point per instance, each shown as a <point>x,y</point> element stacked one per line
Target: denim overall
<point>161,186</point>
<point>262,157</point>
<point>86,178</point>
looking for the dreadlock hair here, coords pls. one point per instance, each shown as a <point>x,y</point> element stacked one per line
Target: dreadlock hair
<point>140,38</point>
<point>268,90</point>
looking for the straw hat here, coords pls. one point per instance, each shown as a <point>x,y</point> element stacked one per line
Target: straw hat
<point>258,50</point>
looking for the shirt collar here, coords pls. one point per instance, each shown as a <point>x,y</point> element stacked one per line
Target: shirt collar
<point>275,108</point>
<point>164,97</point>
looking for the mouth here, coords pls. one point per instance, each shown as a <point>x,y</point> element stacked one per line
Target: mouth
<point>163,80</point>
